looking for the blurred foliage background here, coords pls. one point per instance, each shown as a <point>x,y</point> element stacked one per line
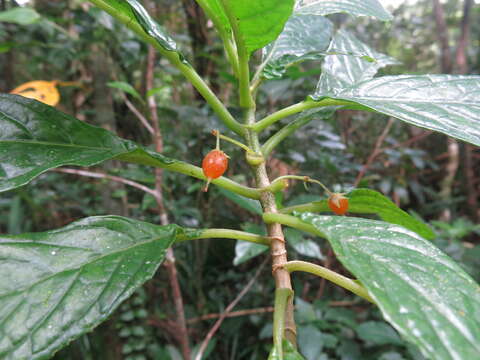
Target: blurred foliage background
<point>426,174</point>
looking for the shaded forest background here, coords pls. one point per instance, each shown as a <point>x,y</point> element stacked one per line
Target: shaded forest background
<point>425,173</point>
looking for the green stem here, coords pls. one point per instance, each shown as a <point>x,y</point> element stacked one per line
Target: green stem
<point>228,44</point>
<point>173,57</point>
<point>330,275</point>
<point>291,221</point>
<point>282,296</point>
<point>193,234</point>
<point>246,100</point>
<point>294,109</point>
<point>283,133</point>
<point>233,141</point>
<point>139,157</point>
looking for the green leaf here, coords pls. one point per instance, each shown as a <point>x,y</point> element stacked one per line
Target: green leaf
<point>423,293</point>
<point>125,87</point>
<point>353,7</point>
<point>304,37</point>
<point>260,21</point>
<point>449,104</point>
<point>59,284</point>
<point>35,137</point>
<point>350,62</point>
<point>134,15</point>
<point>366,201</point>
<point>310,341</point>
<point>250,205</point>
<point>20,15</point>
<point>378,333</point>
<point>302,245</point>
<point>289,353</point>
<point>245,250</point>
<point>215,10</point>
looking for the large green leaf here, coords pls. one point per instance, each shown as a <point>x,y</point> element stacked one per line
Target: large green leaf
<point>353,7</point>
<point>19,15</point>
<point>35,137</point>
<point>423,293</point>
<point>134,15</point>
<point>449,104</point>
<point>215,10</point>
<point>350,62</point>
<point>260,21</point>
<point>57,285</point>
<point>304,37</point>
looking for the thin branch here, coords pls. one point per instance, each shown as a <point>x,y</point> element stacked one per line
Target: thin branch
<point>138,114</point>
<point>267,309</point>
<point>219,322</point>
<point>100,175</point>
<point>376,151</point>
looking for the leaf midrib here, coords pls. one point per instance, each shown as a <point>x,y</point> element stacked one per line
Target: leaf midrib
<point>44,143</point>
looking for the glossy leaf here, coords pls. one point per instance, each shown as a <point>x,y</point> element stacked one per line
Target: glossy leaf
<point>289,353</point>
<point>134,15</point>
<point>424,294</point>
<point>260,21</point>
<point>214,9</point>
<point>19,15</point>
<point>59,284</point>
<point>449,104</point>
<point>304,37</point>
<point>35,137</point>
<point>353,7</point>
<point>351,61</point>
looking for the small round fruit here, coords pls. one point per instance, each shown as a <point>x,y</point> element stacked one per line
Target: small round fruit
<point>214,164</point>
<point>338,203</point>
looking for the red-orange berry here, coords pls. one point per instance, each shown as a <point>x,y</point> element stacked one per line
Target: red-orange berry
<point>338,203</point>
<point>214,165</point>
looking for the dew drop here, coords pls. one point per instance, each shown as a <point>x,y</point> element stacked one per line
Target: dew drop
<point>53,252</point>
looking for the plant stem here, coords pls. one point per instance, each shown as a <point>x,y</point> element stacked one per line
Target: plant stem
<point>140,157</point>
<point>194,234</point>
<point>292,221</point>
<point>233,141</point>
<point>294,109</point>
<point>283,133</point>
<point>173,57</point>
<point>246,100</point>
<point>229,45</point>
<point>330,275</point>
<point>282,297</point>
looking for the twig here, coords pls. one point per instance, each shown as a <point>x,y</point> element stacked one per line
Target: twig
<point>267,309</point>
<point>138,114</point>
<point>230,306</point>
<point>376,151</point>
<point>100,175</point>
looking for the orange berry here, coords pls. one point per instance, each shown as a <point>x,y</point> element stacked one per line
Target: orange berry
<point>214,165</point>
<point>338,203</point>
